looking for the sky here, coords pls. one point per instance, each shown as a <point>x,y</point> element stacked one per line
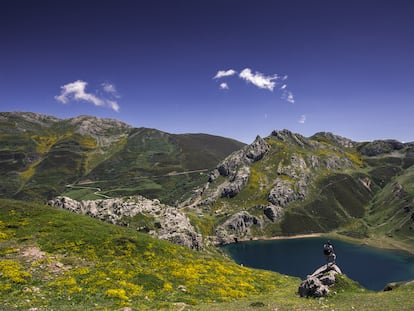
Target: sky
<point>233,68</point>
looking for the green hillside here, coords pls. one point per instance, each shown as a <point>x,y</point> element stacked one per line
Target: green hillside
<point>52,259</point>
<point>284,184</point>
<point>320,184</point>
<point>89,158</point>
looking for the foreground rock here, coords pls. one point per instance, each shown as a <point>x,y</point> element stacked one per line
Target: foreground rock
<point>171,223</point>
<point>317,284</point>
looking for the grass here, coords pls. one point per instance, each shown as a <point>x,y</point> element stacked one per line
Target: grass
<point>52,259</point>
<point>86,264</point>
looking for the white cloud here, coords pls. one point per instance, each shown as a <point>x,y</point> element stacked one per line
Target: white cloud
<point>110,88</point>
<point>288,96</point>
<point>258,79</point>
<point>77,91</point>
<point>224,86</point>
<point>224,73</point>
<point>113,105</point>
<point>302,119</point>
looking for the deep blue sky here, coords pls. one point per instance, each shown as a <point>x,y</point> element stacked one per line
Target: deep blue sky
<point>349,64</point>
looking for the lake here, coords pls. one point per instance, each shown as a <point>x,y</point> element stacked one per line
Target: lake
<point>373,268</point>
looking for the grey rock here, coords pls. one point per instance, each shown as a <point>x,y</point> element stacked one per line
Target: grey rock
<point>318,283</point>
<point>237,226</point>
<point>336,139</point>
<point>282,193</point>
<point>273,212</point>
<point>236,169</point>
<point>288,136</point>
<point>174,225</point>
<point>245,156</point>
<point>313,287</point>
<point>378,147</point>
<point>237,183</point>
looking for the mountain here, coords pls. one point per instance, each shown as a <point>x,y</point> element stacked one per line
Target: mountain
<point>194,190</point>
<point>283,184</point>
<point>287,184</point>
<point>87,157</point>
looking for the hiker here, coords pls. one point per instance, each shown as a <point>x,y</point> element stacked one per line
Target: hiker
<point>329,253</point>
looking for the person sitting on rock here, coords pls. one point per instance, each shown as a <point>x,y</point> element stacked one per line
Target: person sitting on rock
<point>329,253</point>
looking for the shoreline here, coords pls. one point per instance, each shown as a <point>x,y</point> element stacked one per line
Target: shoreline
<point>386,245</point>
<point>285,237</point>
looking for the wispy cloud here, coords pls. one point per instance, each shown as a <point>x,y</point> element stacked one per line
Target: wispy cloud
<point>224,86</point>
<point>110,88</point>
<point>77,91</point>
<point>113,105</point>
<point>224,73</point>
<point>302,119</point>
<point>288,96</point>
<point>258,79</point>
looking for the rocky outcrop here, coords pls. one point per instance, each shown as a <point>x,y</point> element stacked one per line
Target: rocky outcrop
<point>282,193</point>
<point>335,139</point>
<point>236,183</point>
<point>237,226</point>
<point>273,212</point>
<point>318,283</point>
<point>236,169</point>
<point>290,137</point>
<point>293,183</point>
<point>378,147</point>
<point>172,224</point>
<point>98,128</point>
<point>241,158</point>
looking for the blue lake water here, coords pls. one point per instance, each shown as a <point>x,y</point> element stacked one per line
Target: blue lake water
<point>373,268</point>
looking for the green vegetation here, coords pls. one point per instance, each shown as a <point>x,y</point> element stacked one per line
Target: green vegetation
<point>53,259</point>
<point>42,155</point>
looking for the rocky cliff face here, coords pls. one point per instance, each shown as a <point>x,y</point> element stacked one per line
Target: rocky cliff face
<point>98,128</point>
<point>172,224</point>
<point>236,170</point>
<point>268,176</point>
<point>238,225</point>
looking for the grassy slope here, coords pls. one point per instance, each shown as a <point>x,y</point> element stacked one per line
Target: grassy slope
<point>151,164</point>
<point>90,265</point>
<point>41,155</point>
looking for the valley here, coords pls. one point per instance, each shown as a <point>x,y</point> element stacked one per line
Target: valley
<point>148,208</point>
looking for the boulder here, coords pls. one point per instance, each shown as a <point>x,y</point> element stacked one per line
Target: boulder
<point>317,284</point>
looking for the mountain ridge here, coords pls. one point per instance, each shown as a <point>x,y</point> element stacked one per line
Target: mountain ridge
<point>36,148</point>
<point>284,184</point>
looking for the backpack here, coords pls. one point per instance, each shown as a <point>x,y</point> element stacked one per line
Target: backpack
<point>327,249</point>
